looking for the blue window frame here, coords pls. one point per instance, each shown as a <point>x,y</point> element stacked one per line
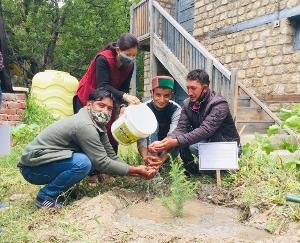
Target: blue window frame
<point>295,21</point>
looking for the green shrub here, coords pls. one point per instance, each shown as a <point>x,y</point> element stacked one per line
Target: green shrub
<point>36,113</point>
<point>181,189</point>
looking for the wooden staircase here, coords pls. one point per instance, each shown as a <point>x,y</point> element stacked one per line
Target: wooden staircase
<point>179,52</point>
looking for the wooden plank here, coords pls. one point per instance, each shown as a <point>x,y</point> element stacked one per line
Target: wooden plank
<point>234,92</point>
<point>286,98</point>
<point>153,64</point>
<point>133,83</point>
<point>218,175</point>
<point>250,113</point>
<point>132,18</point>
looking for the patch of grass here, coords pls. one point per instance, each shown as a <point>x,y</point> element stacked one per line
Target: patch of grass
<point>263,182</point>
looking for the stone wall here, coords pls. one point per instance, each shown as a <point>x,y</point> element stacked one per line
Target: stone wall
<point>264,55</point>
<point>13,107</point>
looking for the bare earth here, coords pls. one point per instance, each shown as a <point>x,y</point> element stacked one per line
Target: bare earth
<point>125,217</point>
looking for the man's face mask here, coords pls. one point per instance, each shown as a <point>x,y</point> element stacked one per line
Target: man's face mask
<point>101,117</point>
<point>126,59</point>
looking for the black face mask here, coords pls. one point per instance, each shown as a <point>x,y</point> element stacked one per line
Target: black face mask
<point>126,60</point>
<point>196,106</point>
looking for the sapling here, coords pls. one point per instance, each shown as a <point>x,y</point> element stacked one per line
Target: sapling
<point>181,189</point>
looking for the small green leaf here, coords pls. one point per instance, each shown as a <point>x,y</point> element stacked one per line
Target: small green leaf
<point>285,113</point>
<point>274,129</point>
<point>293,122</point>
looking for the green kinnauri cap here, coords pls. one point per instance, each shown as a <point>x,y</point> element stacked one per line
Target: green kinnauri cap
<point>163,82</point>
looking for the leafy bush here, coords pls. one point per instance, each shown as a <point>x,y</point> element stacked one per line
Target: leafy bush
<point>181,189</point>
<point>36,117</point>
<point>263,182</point>
<point>37,114</point>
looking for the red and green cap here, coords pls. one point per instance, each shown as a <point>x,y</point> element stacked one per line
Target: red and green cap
<point>163,82</point>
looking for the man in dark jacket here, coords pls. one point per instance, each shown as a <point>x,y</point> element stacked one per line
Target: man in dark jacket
<point>205,117</point>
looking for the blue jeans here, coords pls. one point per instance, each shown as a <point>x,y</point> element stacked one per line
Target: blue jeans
<point>58,176</point>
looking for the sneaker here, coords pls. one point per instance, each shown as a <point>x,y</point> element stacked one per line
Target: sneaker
<point>3,206</point>
<point>41,203</point>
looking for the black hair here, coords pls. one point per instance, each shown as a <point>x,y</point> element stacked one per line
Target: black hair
<point>199,75</point>
<point>100,94</point>
<point>125,42</point>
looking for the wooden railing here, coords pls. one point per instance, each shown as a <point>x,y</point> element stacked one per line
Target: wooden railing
<point>139,24</point>
<point>150,20</point>
<point>185,48</point>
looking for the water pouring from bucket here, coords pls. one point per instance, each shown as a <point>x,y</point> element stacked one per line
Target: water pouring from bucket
<point>137,122</point>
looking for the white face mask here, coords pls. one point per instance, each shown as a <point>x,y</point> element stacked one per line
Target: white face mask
<point>101,117</point>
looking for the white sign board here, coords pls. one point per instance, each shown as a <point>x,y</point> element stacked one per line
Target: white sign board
<point>218,156</point>
<point>4,139</point>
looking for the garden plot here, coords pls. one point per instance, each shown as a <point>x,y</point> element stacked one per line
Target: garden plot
<point>127,217</point>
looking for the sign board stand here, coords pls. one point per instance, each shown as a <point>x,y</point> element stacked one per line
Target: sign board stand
<point>218,176</point>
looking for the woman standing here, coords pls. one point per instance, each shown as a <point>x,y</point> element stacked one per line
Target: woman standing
<point>112,69</point>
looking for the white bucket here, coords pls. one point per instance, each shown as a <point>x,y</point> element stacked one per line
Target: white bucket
<point>138,121</point>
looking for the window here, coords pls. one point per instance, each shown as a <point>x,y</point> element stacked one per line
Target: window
<point>295,20</point>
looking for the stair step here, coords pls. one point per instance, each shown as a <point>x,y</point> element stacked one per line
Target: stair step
<point>252,113</point>
<point>253,126</point>
<point>244,101</point>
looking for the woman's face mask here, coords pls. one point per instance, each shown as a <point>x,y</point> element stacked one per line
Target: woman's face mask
<point>124,59</point>
<point>101,117</point>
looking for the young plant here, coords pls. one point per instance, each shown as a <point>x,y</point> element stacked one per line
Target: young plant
<point>181,189</point>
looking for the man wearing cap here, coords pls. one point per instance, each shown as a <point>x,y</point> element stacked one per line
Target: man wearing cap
<point>205,117</point>
<point>167,113</point>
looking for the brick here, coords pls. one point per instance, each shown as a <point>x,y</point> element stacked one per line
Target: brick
<point>252,54</point>
<point>9,97</point>
<point>274,50</point>
<point>20,97</point>
<point>290,88</point>
<point>279,88</point>
<point>9,112</point>
<point>21,105</point>
<point>20,111</point>
<point>250,72</point>
<point>256,62</point>
<point>258,44</point>
<point>262,52</point>
<point>3,117</point>
<point>269,70</point>
<point>239,48</point>
<point>277,60</point>
<point>255,36</point>
<point>260,72</point>
<point>292,3</point>
<point>280,69</point>
<point>14,118</point>
<point>241,74</point>
<point>295,58</point>
<point>209,7</point>
<point>249,46</point>
<point>261,11</point>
